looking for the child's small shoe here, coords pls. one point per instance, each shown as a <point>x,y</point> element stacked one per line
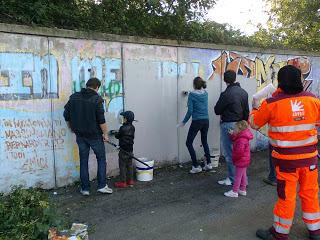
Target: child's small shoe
<point>231,193</point>
<point>120,185</point>
<point>130,183</point>
<point>242,193</point>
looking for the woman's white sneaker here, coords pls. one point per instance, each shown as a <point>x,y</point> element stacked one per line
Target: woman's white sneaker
<point>226,182</point>
<point>242,193</point>
<point>196,170</point>
<point>207,167</point>
<point>105,190</point>
<point>231,193</point>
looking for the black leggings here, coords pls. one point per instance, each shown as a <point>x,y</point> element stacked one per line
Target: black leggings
<point>196,126</point>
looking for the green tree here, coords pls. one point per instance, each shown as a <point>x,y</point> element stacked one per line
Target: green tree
<point>292,24</point>
<point>174,19</point>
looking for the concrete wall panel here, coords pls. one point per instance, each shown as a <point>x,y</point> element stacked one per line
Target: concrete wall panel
<point>28,84</point>
<point>192,63</point>
<point>150,83</point>
<point>79,60</point>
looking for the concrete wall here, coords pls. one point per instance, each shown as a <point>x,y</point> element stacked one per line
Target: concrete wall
<point>40,68</point>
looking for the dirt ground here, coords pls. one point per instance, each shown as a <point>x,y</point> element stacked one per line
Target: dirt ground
<point>178,205</point>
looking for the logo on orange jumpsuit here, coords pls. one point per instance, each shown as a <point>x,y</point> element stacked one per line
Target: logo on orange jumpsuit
<point>297,110</point>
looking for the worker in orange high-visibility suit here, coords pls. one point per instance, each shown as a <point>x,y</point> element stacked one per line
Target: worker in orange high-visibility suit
<point>292,115</point>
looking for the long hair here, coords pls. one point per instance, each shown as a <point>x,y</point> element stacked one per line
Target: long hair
<point>199,83</point>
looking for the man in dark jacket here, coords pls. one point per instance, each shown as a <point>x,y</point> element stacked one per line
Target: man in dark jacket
<point>233,107</point>
<point>126,141</point>
<point>84,114</point>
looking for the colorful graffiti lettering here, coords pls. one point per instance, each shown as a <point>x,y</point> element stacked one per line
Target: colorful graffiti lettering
<point>108,70</point>
<point>263,71</point>
<point>25,76</point>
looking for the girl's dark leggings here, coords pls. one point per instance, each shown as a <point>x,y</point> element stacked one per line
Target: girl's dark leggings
<point>196,126</point>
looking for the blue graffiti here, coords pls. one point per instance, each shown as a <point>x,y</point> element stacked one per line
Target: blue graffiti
<point>108,70</point>
<point>26,76</point>
<point>173,69</point>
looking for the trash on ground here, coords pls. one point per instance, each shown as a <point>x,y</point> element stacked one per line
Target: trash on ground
<point>78,231</point>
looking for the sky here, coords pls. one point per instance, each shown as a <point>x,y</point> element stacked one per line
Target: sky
<point>239,14</point>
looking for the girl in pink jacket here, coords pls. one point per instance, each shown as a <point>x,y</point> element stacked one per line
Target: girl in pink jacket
<point>241,137</point>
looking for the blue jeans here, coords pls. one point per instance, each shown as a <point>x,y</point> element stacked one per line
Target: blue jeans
<point>272,171</point>
<point>227,146</point>
<point>196,126</point>
<point>98,148</point>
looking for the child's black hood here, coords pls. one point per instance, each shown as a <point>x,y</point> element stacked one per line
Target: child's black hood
<point>129,115</point>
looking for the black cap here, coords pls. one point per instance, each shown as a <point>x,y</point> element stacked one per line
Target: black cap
<point>129,115</point>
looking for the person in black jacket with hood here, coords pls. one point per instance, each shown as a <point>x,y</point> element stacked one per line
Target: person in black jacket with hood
<point>233,107</point>
<point>126,141</point>
<point>84,114</point>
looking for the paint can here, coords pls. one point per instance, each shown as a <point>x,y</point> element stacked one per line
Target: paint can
<point>143,172</point>
<point>215,159</point>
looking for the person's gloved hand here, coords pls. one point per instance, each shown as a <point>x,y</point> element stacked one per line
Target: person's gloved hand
<point>180,125</point>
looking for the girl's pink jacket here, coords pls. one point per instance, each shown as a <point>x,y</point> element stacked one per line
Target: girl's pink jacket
<point>241,148</point>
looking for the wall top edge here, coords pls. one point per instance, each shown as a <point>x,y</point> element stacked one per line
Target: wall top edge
<point>90,35</point>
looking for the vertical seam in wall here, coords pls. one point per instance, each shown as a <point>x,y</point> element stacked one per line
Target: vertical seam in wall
<point>122,76</point>
<point>52,117</point>
<point>178,130</point>
<point>221,69</point>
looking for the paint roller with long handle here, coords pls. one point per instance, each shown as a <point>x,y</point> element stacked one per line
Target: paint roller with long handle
<point>131,155</point>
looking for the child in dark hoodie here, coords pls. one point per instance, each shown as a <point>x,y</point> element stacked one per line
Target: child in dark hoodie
<point>126,141</point>
<point>241,157</point>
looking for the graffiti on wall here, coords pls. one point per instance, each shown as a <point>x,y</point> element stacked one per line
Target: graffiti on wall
<point>29,141</point>
<point>173,69</point>
<point>106,69</point>
<point>26,76</point>
<point>263,71</point>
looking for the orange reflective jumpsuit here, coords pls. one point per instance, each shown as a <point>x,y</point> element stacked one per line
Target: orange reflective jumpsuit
<point>292,133</point>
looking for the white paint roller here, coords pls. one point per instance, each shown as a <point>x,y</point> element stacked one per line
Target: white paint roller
<point>263,93</point>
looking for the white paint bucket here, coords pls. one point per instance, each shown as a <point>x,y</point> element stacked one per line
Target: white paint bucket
<point>215,159</point>
<point>143,172</point>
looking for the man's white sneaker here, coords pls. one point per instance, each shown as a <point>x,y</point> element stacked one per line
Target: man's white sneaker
<point>242,193</point>
<point>106,189</point>
<point>231,193</point>
<point>226,182</point>
<point>207,167</point>
<point>196,170</point>
<point>84,193</point>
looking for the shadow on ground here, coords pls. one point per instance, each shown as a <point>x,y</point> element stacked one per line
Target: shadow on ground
<point>178,205</point>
